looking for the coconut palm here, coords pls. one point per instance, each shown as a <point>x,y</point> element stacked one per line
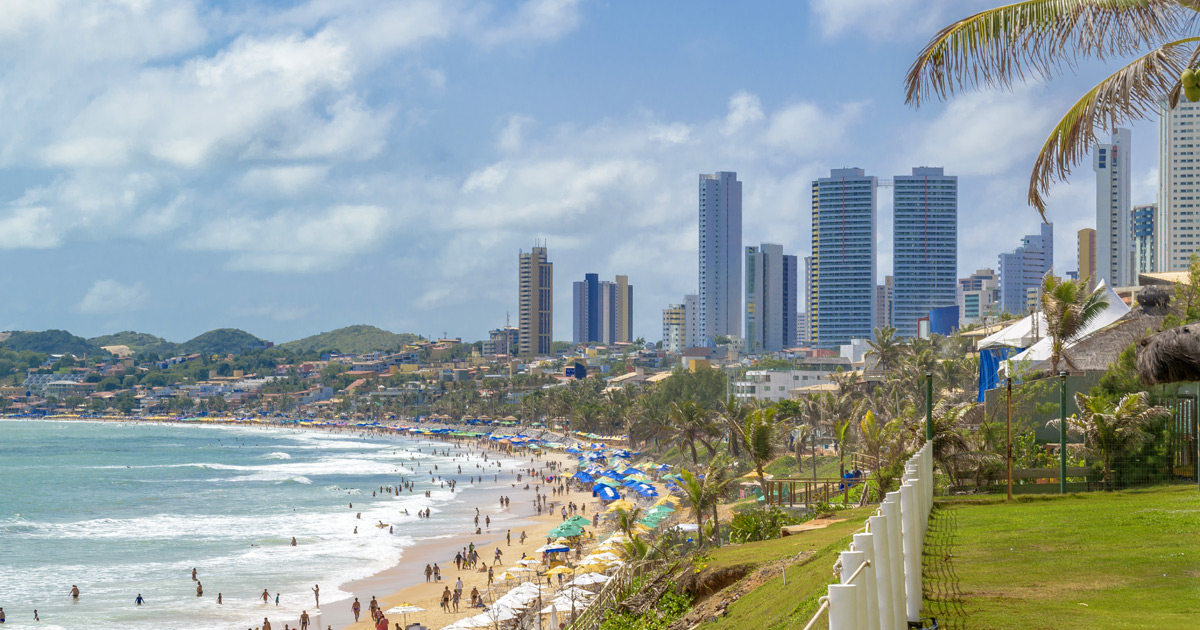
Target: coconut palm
<point>790,412</point>
<point>703,493</point>
<point>760,431</point>
<point>733,413</point>
<point>843,430</point>
<point>1112,430</point>
<point>692,423</point>
<point>886,349</point>
<point>951,448</point>
<point>626,520</point>
<point>1068,309</point>
<point>1039,39</point>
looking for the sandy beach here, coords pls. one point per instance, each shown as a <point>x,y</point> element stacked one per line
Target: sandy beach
<point>405,582</point>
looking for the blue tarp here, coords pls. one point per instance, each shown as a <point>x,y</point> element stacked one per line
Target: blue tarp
<point>989,367</point>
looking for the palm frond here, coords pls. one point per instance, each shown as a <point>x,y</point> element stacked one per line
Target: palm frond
<point>1135,91</point>
<point>1035,40</point>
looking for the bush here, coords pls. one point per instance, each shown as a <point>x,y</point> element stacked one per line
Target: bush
<point>759,524</point>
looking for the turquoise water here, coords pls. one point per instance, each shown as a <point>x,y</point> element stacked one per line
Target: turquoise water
<point>123,509</point>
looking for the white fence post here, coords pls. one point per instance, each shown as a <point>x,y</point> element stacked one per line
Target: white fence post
<point>891,509</point>
<point>851,561</point>
<point>883,572</point>
<point>842,612</point>
<point>865,544</point>
<point>912,550</point>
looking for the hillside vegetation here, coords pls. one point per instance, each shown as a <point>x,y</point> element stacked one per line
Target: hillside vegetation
<point>220,341</point>
<point>137,342</point>
<point>358,339</point>
<point>52,342</point>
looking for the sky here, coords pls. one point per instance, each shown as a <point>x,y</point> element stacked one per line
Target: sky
<point>174,166</point>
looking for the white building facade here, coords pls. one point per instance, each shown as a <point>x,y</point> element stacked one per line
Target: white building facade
<point>720,256</point>
<point>1114,244</point>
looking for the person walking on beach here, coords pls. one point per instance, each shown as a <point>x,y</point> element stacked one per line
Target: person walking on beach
<point>458,586</point>
<point>355,608</point>
<point>446,599</point>
<point>455,598</point>
<point>428,572</point>
<point>266,624</point>
<point>508,537</point>
<point>491,576</point>
<point>437,573</point>
<point>317,594</point>
<point>304,620</point>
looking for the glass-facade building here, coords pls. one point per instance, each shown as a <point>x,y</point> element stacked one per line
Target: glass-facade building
<point>771,286</point>
<point>842,292</point>
<point>924,246</point>
<point>1143,237</point>
<point>720,257</point>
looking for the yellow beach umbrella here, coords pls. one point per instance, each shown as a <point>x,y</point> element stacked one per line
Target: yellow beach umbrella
<point>620,504</point>
<point>504,577</point>
<point>560,570</point>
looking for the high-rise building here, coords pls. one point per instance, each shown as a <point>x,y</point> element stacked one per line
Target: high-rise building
<point>924,245</point>
<point>586,312</point>
<point>674,328</point>
<point>809,296</point>
<point>691,323</point>
<point>842,306</point>
<point>1087,257</point>
<point>978,296</point>
<point>623,310</point>
<point>771,284</point>
<point>883,302</point>
<point>802,327</point>
<point>1022,270</point>
<point>1114,247</point>
<point>602,310</point>
<point>1177,221</point>
<point>1143,237</point>
<point>535,301</point>
<point>720,256</point>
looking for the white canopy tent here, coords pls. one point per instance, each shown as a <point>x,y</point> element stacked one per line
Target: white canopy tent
<point>1040,350</point>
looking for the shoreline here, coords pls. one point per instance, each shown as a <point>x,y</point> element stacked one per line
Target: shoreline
<point>403,580</point>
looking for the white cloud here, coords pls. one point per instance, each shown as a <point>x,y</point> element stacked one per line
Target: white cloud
<point>294,242</point>
<point>512,136</point>
<point>287,181</point>
<point>28,228</point>
<point>891,19</point>
<point>107,297</point>
<point>536,20</point>
<point>744,109</point>
<point>806,129</point>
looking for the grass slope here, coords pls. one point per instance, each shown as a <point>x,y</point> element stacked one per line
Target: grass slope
<point>1096,561</point>
<point>358,339</point>
<point>135,341</point>
<point>53,342</point>
<point>773,605</point>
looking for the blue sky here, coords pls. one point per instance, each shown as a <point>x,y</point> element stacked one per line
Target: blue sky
<point>174,166</point>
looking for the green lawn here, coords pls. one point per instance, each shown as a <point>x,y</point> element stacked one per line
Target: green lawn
<point>1088,561</point>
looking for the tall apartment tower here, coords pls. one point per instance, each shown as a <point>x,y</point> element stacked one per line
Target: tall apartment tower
<point>884,294</point>
<point>535,302</point>
<point>842,306</point>
<point>674,325</point>
<point>691,321</point>
<point>1143,237</point>
<point>771,285</point>
<point>1087,257</point>
<point>720,256</point>
<point>1114,245</point>
<point>809,295</point>
<point>602,310</point>
<point>1022,270</point>
<point>1177,221</point>
<point>924,245</point>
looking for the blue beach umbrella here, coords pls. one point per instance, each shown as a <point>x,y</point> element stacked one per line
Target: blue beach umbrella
<point>584,477</point>
<point>606,493</point>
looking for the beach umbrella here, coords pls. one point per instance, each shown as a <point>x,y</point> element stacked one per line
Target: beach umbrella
<point>589,579</point>
<point>504,577</point>
<point>619,505</point>
<point>560,570</point>
<point>607,494</point>
<point>605,557</point>
<point>563,541</point>
<point>584,477</point>
<point>582,521</point>
<point>404,609</point>
<point>566,530</point>
<point>520,570</point>
<point>553,548</point>
<point>528,562</point>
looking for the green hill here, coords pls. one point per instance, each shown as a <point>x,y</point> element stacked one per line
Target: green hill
<point>352,340</point>
<point>135,341</point>
<point>52,342</point>
<point>221,341</point>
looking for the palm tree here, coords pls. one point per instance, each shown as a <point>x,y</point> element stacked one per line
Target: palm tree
<point>950,446</point>
<point>692,424</point>
<point>887,349</point>
<point>627,519</point>
<point>1041,38</point>
<point>1111,431</point>
<point>1068,309</point>
<point>696,497</point>
<point>843,428</point>
<point>792,411</point>
<point>761,434</point>
<point>702,494</point>
<point>733,413</point>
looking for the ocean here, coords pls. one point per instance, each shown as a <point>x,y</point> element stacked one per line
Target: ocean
<point>122,509</point>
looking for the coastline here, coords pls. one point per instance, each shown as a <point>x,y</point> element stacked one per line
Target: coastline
<point>404,580</point>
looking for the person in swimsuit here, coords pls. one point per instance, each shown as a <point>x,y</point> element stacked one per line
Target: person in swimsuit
<point>266,596</point>
<point>218,598</point>
<point>199,589</point>
<point>317,594</point>
<point>74,592</point>
<point>355,608</point>
<point>304,620</point>
<point>266,624</point>
<point>2,614</point>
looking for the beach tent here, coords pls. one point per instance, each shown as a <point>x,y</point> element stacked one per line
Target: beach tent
<point>1041,351</point>
<point>552,548</point>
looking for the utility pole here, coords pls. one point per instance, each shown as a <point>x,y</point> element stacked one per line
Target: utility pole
<point>1009,438</point>
<point>1062,433</point>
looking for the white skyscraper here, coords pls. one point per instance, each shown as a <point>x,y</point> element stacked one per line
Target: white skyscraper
<point>1177,222</point>
<point>842,302</point>
<point>720,256</point>
<point>691,321</point>
<point>1114,251</point>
